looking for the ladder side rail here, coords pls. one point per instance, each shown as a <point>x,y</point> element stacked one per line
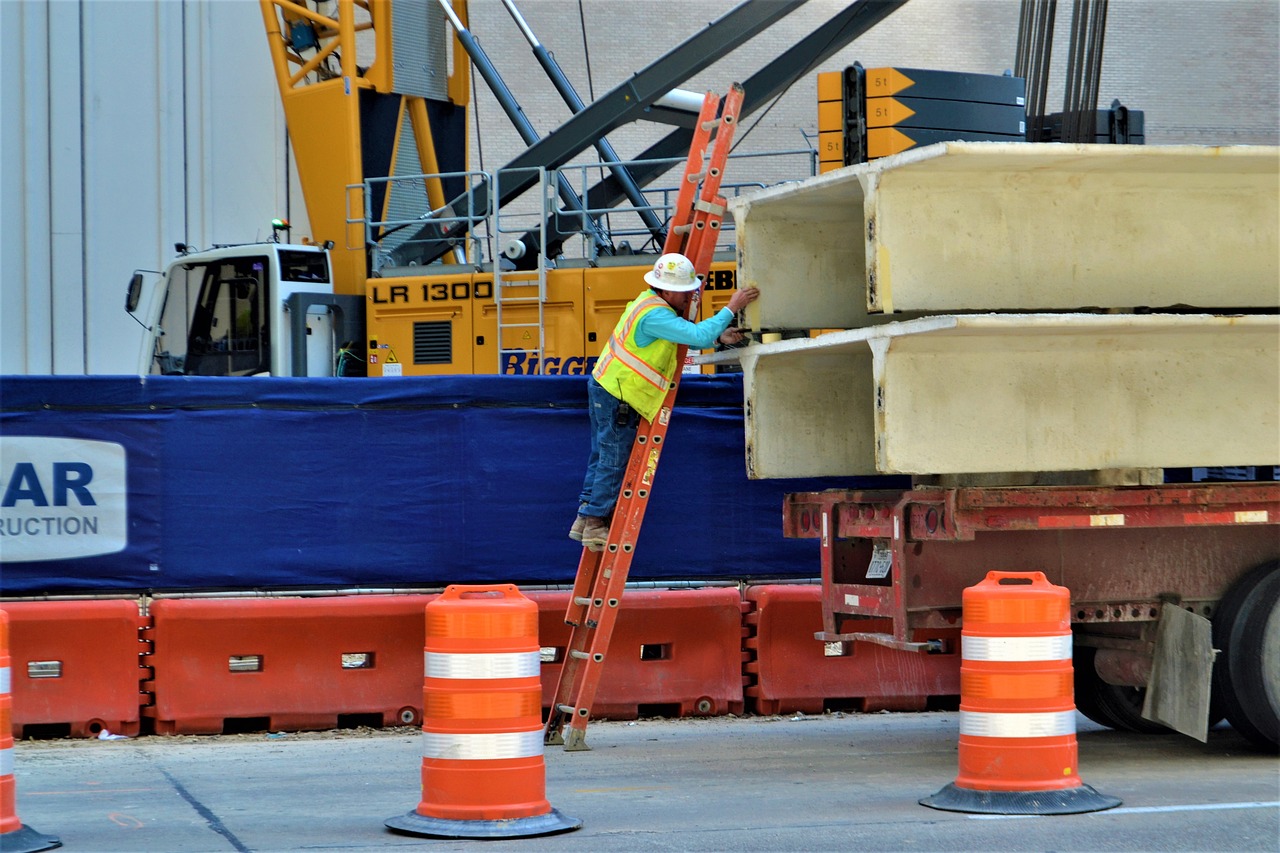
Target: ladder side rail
<point>610,581</point>
<point>578,613</point>
<point>584,662</point>
<point>681,211</point>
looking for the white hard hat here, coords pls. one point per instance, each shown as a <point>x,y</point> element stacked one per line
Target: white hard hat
<point>673,272</point>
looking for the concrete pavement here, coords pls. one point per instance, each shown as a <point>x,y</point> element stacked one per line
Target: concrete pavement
<point>839,781</point>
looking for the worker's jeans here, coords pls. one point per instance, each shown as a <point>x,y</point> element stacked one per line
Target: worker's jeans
<point>610,449</point>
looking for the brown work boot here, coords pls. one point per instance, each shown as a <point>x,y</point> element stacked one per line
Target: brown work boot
<point>595,533</point>
<point>575,532</point>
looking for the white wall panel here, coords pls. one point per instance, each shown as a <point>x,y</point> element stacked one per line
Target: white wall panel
<point>236,142</point>
<point>141,124</point>
<point>125,128</point>
<point>182,144</point>
<point>25,300</point>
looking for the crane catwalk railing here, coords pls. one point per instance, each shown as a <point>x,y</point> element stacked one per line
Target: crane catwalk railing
<point>489,231</point>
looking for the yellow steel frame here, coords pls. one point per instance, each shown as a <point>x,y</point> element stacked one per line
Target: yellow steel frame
<point>323,117</point>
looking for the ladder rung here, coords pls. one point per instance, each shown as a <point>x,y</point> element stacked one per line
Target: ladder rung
<point>519,325</point>
<point>581,600</point>
<point>579,655</point>
<point>710,125</point>
<point>683,229</point>
<point>565,709</point>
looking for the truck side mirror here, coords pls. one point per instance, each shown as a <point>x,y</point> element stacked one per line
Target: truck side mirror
<point>134,294</point>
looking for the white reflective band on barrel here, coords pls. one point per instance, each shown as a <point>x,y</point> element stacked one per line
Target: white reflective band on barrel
<point>1016,648</point>
<point>1046,724</point>
<point>495,665</point>
<point>482,746</point>
<point>6,762</point>
<point>4,679</point>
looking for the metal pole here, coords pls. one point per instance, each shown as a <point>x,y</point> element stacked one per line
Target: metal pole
<point>570,96</point>
<point>509,105</point>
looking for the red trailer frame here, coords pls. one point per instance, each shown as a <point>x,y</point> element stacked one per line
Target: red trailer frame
<point>1123,551</point>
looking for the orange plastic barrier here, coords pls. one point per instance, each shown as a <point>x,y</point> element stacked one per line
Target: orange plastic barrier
<point>790,671</point>
<point>673,653</point>
<point>286,663</point>
<point>1017,712</point>
<point>77,669</point>
<point>14,836</point>
<point>483,772</point>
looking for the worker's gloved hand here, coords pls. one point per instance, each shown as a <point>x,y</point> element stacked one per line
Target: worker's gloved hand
<point>731,336</point>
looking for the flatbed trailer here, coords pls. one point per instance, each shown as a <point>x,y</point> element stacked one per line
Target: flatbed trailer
<point>1021,331</point>
<point>1126,553</point>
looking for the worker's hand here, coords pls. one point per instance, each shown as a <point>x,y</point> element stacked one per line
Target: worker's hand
<point>731,336</point>
<point>742,298</point>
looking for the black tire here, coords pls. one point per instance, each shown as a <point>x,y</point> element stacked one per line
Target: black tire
<point>1085,677</point>
<point>1110,705</point>
<point>1253,660</point>
<point>1226,684</point>
<point>1124,704</point>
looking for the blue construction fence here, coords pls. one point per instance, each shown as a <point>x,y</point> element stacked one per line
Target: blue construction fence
<point>125,483</point>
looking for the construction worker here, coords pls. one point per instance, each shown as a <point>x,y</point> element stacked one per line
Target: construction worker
<point>632,376</point>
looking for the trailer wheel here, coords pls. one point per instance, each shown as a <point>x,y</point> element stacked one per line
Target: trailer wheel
<point>1124,705</point>
<point>1254,662</point>
<point>1085,678</point>
<point>1111,705</point>
<point>1236,680</point>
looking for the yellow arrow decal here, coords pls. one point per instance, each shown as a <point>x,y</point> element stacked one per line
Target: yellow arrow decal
<point>886,112</point>
<point>882,82</point>
<point>883,141</point>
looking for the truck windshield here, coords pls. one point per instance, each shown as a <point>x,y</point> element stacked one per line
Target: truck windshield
<point>215,321</point>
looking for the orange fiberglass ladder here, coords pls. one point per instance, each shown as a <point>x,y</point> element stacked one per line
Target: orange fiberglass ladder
<point>602,576</point>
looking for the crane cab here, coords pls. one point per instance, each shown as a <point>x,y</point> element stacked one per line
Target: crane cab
<point>246,310</point>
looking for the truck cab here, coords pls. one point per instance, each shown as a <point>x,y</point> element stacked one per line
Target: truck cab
<point>246,310</point>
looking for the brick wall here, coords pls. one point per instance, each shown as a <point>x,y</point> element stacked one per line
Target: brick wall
<point>1204,71</point>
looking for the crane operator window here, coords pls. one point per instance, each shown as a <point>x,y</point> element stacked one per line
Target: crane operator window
<point>304,266</point>
<point>229,333</point>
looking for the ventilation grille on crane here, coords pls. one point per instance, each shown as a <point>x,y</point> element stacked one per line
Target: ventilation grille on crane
<point>433,342</point>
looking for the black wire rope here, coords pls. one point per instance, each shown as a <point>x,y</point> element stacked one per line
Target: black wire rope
<point>475,114</point>
<point>591,93</point>
<point>742,136</point>
<point>586,52</point>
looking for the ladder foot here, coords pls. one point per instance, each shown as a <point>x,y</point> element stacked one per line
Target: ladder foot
<point>576,741</point>
<point>553,738</point>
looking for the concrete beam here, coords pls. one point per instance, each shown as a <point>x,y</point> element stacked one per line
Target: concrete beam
<point>992,393</point>
<point>982,226</point>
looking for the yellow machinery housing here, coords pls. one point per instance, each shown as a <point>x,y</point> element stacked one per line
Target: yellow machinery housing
<point>447,323</point>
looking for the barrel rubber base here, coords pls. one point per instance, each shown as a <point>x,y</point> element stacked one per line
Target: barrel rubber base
<point>27,840</point>
<point>1064,801</point>
<point>522,827</point>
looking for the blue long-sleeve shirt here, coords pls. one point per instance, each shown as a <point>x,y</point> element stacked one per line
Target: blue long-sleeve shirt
<point>668,325</point>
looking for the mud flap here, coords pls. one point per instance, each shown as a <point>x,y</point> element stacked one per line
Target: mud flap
<point>1179,689</point>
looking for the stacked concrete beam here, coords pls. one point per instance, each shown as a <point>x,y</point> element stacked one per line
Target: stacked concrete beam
<point>1016,308</point>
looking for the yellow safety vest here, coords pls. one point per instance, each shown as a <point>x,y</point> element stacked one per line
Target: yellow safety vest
<point>639,376</point>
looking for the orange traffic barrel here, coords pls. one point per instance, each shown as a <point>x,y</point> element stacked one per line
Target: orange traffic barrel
<point>483,774</point>
<point>14,837</point>
<point>1017,707</point>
